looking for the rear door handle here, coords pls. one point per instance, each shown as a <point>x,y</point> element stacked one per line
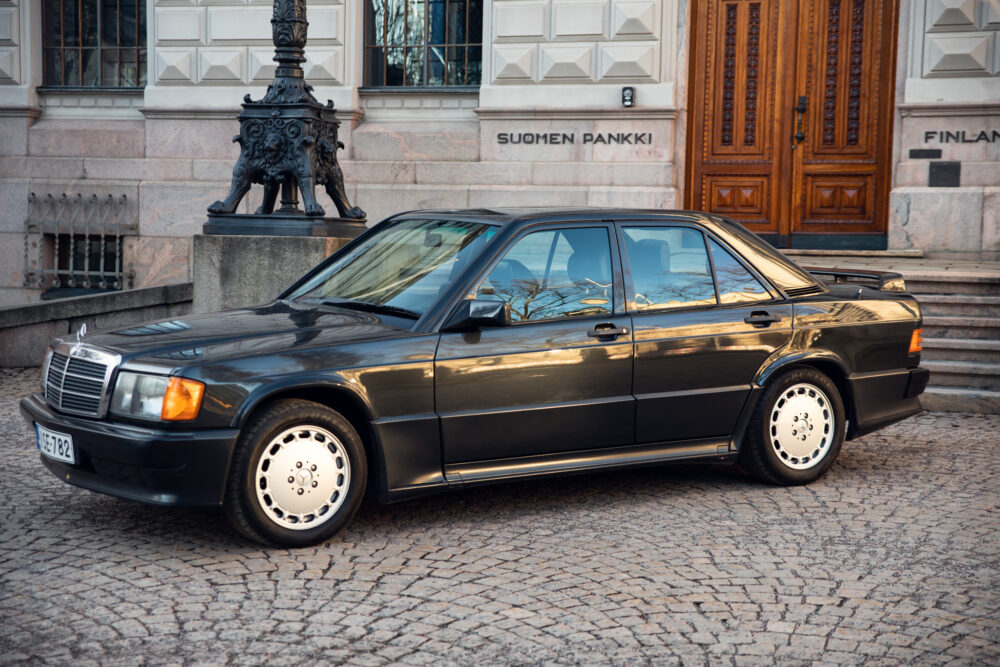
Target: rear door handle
<point>608,330</point>
<point>761,318</point>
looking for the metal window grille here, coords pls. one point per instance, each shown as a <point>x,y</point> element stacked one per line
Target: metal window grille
<point>423,43</point>
<point>94,43</point>
<point>76,242</point>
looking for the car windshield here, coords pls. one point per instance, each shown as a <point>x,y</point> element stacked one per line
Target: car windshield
<point>400,269</point>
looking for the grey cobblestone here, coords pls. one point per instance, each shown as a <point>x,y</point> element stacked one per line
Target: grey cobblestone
<point>892,558</point>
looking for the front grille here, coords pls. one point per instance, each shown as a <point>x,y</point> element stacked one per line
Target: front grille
<point>78,385</point>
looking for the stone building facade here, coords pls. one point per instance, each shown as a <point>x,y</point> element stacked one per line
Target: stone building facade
<point>543,122</point>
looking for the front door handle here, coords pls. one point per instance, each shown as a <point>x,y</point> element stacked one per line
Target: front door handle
<point>607,331</point>
<point>761,318</point>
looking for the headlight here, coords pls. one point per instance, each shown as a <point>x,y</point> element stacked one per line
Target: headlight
<point>156,397</point>
<point>45,368</point>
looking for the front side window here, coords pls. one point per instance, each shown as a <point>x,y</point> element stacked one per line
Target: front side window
<point>423,42</point>
<point>94,43</point>
<point>406,265</point>
<point>670,267</point>
<point>551,274</point>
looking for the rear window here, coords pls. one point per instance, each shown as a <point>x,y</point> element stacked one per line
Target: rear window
<point>777,268</point>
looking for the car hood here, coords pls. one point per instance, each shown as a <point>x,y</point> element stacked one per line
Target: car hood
<point>282,325</point>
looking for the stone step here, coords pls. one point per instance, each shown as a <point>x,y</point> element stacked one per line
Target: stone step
<point>961,349</point>
<point>962,327</point>
<point>978,305</point>
<point>954,399</point>
<point>968,374</point>
<point>943,282</point>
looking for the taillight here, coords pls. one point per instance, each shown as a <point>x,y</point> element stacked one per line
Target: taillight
<point>917,341</point>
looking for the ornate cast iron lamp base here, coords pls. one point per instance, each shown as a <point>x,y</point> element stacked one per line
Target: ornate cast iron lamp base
<point>288,143</point>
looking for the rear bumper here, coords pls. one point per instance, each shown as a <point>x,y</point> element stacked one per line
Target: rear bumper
<point>149,465</point>
<point>885,398</point>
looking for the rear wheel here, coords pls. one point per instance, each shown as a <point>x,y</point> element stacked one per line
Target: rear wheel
<point>797,429</point>
<point>298,475</point>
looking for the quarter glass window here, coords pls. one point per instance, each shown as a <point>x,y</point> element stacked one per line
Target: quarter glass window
<point>558,273</point>
<point>423,42</point>
<point>670,267</point>
<point>736,284</point>
<point>94,43</point>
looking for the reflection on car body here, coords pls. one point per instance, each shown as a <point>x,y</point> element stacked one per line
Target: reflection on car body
<point>448,348</point>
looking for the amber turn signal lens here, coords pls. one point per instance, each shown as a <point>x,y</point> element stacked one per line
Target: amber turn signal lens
<point>917,341</point>
<point>182,400</point>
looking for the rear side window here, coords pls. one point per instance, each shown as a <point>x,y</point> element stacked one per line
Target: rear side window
<point>670,267</point>
<point>555,273</point>
<point>736,284</point>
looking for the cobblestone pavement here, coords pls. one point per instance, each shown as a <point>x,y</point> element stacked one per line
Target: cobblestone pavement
<point>893,558</point>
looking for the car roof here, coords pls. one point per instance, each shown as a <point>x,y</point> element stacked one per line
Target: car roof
<point>512,214</point>
<point>780,270</point>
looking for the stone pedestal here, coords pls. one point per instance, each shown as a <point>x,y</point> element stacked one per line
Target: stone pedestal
<point>236,271</point>
<point>271,224</point>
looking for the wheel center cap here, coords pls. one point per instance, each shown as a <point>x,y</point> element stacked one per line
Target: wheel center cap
<point>303,477</point>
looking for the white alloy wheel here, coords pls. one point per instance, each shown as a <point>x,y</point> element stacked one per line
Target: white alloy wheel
<point>802,426</point>
<point>303,477</point>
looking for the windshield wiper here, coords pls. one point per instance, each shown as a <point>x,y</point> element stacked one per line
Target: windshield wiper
<point>374,308</point>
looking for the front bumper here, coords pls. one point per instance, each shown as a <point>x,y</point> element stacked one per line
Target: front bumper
<point>149,465</point>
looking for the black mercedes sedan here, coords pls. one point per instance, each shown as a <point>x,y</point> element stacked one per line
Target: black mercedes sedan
<point>449,348</point>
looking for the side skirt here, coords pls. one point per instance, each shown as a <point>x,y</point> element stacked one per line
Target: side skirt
<point>500,470</point>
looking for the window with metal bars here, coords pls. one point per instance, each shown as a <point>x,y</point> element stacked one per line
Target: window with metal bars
<point>417,43</point>
<point>94,43</point>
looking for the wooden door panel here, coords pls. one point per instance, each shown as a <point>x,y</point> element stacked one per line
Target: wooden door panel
<point>734,123</point>
<point>839,185</point>
<point>750,62</point>
<point>743,197</point>
<point>839,199</point>
<point>746,30</point>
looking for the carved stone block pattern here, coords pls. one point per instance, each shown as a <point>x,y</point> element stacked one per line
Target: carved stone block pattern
<point>961,39</point>
<point>637,62</point>
<point>575,19</point>
<point>515,62</point>
<point>634,19</point>
<point>566,62</point>
<point>951,15</point>
<point>175,64</point>
<point>599,27</point>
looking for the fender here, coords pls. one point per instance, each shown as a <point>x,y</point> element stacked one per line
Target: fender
<point>776,364</point>
<point>307,382</point>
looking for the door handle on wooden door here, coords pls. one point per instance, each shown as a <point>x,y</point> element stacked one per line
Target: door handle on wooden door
<point>800,111</point>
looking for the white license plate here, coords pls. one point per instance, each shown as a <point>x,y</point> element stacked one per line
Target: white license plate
<point>55,445</point>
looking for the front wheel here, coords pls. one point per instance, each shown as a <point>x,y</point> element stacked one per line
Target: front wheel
<point>797,429</point>
<point>298,475</point>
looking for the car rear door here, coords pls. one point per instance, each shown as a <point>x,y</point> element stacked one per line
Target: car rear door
<point>560,377</point>
<point>704,323</point>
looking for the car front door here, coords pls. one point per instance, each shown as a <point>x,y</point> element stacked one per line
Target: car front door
<point>704,324</point>
<point>560,377</point>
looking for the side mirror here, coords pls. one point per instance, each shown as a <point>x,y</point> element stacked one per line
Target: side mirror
<point>478,313</point>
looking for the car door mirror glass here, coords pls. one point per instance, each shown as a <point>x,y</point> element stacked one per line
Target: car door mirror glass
<point>477,314</point>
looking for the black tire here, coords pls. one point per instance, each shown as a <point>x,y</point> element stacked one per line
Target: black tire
<point>782,447</point>
<point>335,469</point>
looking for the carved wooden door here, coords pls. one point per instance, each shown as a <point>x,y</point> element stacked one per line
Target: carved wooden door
<point>791,118</point>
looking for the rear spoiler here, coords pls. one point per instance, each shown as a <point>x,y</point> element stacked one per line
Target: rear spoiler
<point>885,281</point>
